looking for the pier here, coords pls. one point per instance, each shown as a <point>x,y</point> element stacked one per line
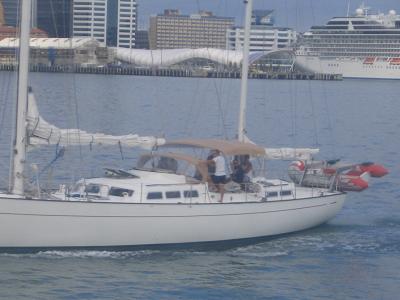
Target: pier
<point>174,72</point>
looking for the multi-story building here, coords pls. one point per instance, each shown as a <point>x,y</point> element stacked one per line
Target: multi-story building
<point>10,8</point>
<point>54,17</point>
<point>126,34</point>
<point>90,19</point>
<point>263,35</point>
<point>109,21</point>
<point>2,19</point>
<point>202,30</point>
<point>142,39</point>
<point>7,31</point>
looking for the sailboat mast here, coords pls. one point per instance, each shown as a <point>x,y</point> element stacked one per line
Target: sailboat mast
<point>19,143</point>
<point>245,71</point>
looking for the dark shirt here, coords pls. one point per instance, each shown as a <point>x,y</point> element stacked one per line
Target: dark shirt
<point>237,173</point>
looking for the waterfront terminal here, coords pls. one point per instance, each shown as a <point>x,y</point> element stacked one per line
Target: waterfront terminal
<point>87,55</point>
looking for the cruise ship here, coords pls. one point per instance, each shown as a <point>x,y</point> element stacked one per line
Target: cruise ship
<point>360,46</point>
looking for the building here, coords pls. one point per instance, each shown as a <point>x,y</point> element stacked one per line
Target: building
<point>173,30</point>
<point>262,17</point>
<point>11,9</point>
<point>121,23</point>
<point>263,35</point>
<point>109,21</point>
<point>57,51</point>
<point>90,19</point>
<point>54,17</point>
<point>142,39</point>
<point>11,32</point>
<point>127,21</point>
<point>2,19</point>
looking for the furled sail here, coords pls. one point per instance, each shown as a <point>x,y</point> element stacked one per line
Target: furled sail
<point>287,153</point>
<point>40,132</point>
<point>290,153</point>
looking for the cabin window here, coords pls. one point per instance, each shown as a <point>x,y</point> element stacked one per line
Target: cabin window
<point>272,194</point>
<point>120,192</point>
<point>286,193</point>
<point>191,194</point>
<point>92,189</point>
<point>154,195</point>
<point>173,194</point>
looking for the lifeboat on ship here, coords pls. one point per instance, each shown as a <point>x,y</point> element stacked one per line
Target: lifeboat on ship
<point>334,174</point>
<point>369,60</point>
<point>395,61</point>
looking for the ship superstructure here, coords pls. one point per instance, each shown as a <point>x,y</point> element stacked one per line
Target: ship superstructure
<point>362,46</point>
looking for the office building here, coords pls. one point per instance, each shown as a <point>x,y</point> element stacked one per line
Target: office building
<point>263,35</point>
<point>126,34</point>
<point>173,30</point>
<point>109,21</point>
<point>90,19</point>
<point>2,19</point>
<point>142,39</point>
<point>10,8</point>
<point>54,17</point>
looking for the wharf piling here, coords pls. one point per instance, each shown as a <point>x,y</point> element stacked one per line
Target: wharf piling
<point>173,72</point>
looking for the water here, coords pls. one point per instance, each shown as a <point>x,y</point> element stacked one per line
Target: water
<point>354,256</point>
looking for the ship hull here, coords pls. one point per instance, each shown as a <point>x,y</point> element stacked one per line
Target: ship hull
<point>51,224</point>
<point>349,67</point>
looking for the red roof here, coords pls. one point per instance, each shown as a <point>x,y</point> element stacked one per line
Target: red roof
<point>8,31</point>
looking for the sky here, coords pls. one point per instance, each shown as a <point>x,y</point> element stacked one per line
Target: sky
<point>298,14</point>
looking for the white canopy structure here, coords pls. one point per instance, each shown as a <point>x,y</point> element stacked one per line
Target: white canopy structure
<point>54,43</point>
<point>168,57</point>
<point>40,132</point>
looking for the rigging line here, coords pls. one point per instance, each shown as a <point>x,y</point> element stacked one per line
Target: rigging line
<point>219,101</point>
<point>313,116</point>
<point>192,116</point>
<point>325,96</point>
<point>6,88</point>
<point>75,99</point>
<point>220,109</point>
<point>220,106</point>
<point>4,109</point>
<point>293,112</point>
<point>53,17</point>
<point>198,5</point>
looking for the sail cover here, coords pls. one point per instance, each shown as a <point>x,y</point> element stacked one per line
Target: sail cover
<point>40,132</point>
<point>290,153</point>
<point>287,153</point>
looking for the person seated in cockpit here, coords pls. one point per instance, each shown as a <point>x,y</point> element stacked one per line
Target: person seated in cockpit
<point>237,171</point>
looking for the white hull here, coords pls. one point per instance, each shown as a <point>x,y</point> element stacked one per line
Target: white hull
<point>49,223</point>
<point>348,67</point>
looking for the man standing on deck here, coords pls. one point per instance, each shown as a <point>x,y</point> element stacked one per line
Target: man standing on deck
<point>220,174</point>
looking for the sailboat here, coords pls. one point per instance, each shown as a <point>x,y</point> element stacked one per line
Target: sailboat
<point>157,203</point>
